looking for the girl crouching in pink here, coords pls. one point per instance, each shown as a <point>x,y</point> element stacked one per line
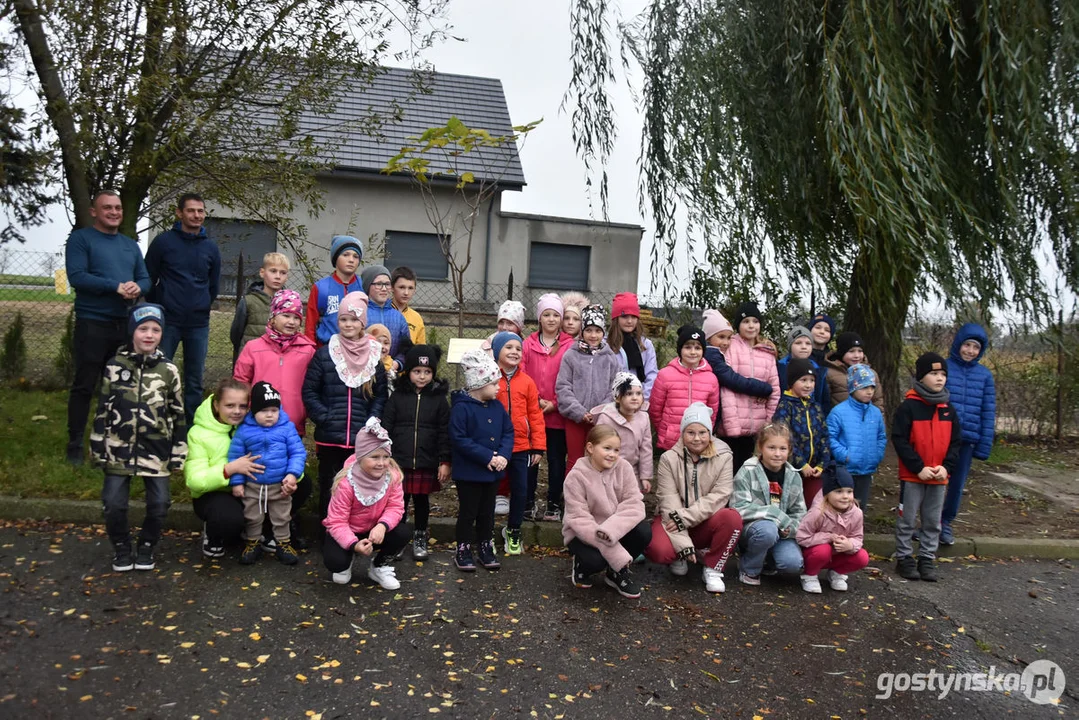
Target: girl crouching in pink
<point>831,533</point>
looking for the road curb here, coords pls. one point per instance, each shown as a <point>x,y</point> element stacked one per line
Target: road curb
<point>543,534</point>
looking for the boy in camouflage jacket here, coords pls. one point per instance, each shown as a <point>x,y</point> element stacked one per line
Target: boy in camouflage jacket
<point>139,430</point>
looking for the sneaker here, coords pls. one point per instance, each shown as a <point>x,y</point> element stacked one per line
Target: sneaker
<point>502,505</point>
<point>811,584</point>
<point>532,514</point>
<point>579,578</point>
<point>907,568</point>
<point>679,567</point>
<point>385,576</point>
<point>298,540</point>
<point>419,545</point>
<point>749,579</point>
<point>463,559</point>
<point>344,577</point>
<point>553,513</point>
<point>144,557</point>
<point>639,560</point>
<point>946,536</point>
<point>713,580</point>
<point>512,536</point>
<point>209,549</point>
<point>837,581</point>
<point>252,552</point>
<point>623,582</point>
<point>927,569</point>
<point>75,453</point>
<point>286,554</point>
<point>269,544</point>
<point>488,558</point>
<point>122,560</point>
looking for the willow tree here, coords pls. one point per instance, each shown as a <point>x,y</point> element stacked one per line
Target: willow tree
<point>881,152</point>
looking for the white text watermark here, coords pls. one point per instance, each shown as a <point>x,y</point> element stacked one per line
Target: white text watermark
<point>1042,682</point>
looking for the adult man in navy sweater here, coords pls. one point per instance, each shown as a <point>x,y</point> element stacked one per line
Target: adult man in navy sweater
<point>108,274</point>
<point>185,266</point>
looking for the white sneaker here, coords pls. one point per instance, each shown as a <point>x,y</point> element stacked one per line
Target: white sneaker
<point>502,505</point>
<point>679,567</point>
<point>837,581</point>
<point>344,577</point>
<point>385,576</point>
<point>749,579</point>
<point>811,584</point>
<point>713,580</point>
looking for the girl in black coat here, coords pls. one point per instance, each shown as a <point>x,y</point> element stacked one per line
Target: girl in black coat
<point>418,419</point>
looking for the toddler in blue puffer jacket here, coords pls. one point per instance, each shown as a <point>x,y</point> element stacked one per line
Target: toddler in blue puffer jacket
<point>856,432</point>
<point>268,436</point>
<point>974,395</point>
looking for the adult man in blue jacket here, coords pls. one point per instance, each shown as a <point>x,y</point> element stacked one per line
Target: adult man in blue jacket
<point>108,273</point>
<point>185,267</point>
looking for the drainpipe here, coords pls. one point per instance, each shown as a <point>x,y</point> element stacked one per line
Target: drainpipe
<point>487,244</point>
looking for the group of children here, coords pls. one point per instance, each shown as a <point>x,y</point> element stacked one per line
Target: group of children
<point>771,457</point>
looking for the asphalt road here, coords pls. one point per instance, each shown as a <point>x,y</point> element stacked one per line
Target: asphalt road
<point>195,639</point>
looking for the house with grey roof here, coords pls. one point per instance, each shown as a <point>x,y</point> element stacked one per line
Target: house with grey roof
<point>543,253</point>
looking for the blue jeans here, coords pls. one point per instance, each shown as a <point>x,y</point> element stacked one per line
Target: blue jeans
<point>517,472</point>
<point>956,482</point>
<point>196,344</point>
<point>760,539</point>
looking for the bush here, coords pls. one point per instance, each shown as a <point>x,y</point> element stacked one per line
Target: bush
<point>13,353</point>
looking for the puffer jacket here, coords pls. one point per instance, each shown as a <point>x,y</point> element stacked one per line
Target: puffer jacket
<point>677,387</point>
<point>260,361</point>
<point>856,436</point>
<point>752,499</point>
<point>648,358</point>
<point>208,443</point>
<point>809,431</point>
<point>252,314</point>
<point>279,448</point>
<point>400,336</point>
<point>584,381</point>
<point>542,366</point>
<point>519,396</point>
<point>744,414</point>
<point>635,434</point>
<point>973,392</point>
<point>820,390</point>
<point>478,432</point>
<point>728,378</point>
<point>418,424</point>
<point>836,378</point>
<point>690,493</point>
<point>821,522</point>
<point>338,410</point>
<point>139,428</point>
<point>347,517</point>
<point>609,501</point>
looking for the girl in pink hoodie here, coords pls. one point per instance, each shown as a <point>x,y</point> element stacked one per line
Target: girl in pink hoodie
<point>831,533</point>
<point>753,357</point>
<point>685,380</point>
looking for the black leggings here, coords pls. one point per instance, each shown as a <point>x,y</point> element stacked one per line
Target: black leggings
<point>422,513</point>
<point>590,560</point>
<point>476,505</point>
<point>223,515</point>
<point>339,559</point>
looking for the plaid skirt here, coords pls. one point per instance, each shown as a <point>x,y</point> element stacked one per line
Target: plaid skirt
<point>421,482</point>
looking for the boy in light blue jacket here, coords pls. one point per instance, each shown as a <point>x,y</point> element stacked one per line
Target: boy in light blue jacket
<point>856,432</point>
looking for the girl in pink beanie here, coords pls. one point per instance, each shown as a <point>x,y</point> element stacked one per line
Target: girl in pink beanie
<point>636,352</point>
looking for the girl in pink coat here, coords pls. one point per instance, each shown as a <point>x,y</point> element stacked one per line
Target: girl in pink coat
<point>366,508</point>
<point>685,380</point>
<point>280,356</point>
<point>753,357</point>
<point>831,533</point>
<point>628,415</point>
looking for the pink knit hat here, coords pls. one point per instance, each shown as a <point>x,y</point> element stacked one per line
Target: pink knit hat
<point>625,303</point>
<point>549,301</point>
<point>355,304</point>
<point>714,322</point>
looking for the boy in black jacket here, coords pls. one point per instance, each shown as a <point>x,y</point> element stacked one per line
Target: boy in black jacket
<point>925,433</point>
<point>418,420</point>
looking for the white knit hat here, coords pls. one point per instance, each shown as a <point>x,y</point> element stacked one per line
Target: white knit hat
<point>479,369</point>
<point>514,312</point>
<point>698,412</point>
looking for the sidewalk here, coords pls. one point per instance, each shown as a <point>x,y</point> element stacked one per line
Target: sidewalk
<point>544,534</point>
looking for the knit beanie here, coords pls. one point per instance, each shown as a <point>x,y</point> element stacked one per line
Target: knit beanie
<point>845,342</point>
<point>822,318</point>
<point>625,303</point>
<point>422,356</point>
<point>746,310</point>
<point>499,341</point>
<point>798,368</point>
<point>698,412</point>
<point>860,376</point>
<point>549,301</point>
<point>371,437</point>
<point>354,304</point>
<point>369,273</point>
<point>623,383</point>
<point>594,315</point>
<point>264,395</point>
<point>573,302</point>
<point>687,333</point>
<point>146,312</point>
<point>479,369</point>
<point>835,477</point>
<point>340,243</point>
<point>798,331</point>
<point>514,312</point>
<point>714,322</point>
<point>286,301</point>
<point>927,363</point>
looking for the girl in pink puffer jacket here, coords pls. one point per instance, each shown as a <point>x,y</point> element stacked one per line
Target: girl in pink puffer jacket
<point>685,380</point>
<point>751,356</point>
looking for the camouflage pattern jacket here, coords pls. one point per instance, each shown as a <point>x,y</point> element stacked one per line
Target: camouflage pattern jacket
<point>139,428</point>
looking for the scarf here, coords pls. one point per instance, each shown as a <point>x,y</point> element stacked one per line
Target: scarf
<point>938,398</point>
<point>633,355</point>
<point>355,360</point>
<point>587,349</point>
<point>368,489</point>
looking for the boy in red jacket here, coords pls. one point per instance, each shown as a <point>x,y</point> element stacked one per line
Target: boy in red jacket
<point>925,434</point>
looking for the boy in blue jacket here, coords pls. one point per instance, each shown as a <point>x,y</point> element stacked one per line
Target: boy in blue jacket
<point>974,395</point>
<point>856,432</point>
<point>800,346</point>
<point>481,443</point>
<point>268,433</point>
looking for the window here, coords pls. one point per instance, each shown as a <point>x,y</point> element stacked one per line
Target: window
<point>420,251</point>
<point>236,238</point>
<point>558,267</point>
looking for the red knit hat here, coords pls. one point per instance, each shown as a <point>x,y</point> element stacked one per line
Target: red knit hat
<point>625,303</point>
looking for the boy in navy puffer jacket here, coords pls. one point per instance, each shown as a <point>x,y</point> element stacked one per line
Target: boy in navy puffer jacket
<point>856,432</point>
<point>800,411</point>
<point>974,396</point>
<point>268,433</point>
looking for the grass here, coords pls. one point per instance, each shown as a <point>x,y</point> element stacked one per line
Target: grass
<point>10,279</point>
<point>34,296</point>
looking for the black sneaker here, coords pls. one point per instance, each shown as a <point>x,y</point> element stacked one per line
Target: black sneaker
<point>252,552</point>
<point>144,558</point>
<point>579,578</point>
<point>298,540</point>
<point>488,558</point>
<point>75,453</point>
<point>927,569</point>
<point>211,549</point>
<point>286,553</point>
<point>623,582</point>
<point>907,568</point>
<point>122,560</point>
<point>419,545</point>
<point>463,559</point>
